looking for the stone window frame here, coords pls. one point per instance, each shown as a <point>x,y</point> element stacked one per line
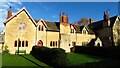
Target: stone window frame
<point>53,43</point>
<point>15,44</point>
<point>41,28</point>
<point>21,26</point>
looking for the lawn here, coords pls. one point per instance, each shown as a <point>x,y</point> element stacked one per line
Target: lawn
<point>21,60</point>
<point>87,61</point>
<point>29,60</point>
<point>76,59</point>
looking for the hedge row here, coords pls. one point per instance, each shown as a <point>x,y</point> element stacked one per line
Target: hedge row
<point>52,56</point>
<point>109,52</point>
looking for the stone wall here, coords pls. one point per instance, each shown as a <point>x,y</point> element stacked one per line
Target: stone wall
<point>13,32</point>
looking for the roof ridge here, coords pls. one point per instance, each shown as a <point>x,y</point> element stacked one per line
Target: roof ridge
<point>109,18</point>
<point>18,13</point>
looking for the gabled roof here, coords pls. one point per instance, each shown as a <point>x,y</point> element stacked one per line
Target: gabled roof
<point>78,28</point>
<point>99,24</point>
<point>23,9</point>
<point>36,21</point>
<point>50,26</point>
<point>89,30</point>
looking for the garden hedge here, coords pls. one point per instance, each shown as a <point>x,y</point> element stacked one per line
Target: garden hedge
<point>52,56</point>
<point>108,52</point>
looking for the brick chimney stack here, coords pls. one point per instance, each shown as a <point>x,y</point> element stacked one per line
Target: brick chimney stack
<point>63,18</point>
<point>9,12</point>
<point>91,20</point>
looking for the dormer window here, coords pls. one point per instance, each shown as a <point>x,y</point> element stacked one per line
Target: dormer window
<point>72,31</point>
<point>21,26</point>
<point>84,31</point>
<point>40,28</point>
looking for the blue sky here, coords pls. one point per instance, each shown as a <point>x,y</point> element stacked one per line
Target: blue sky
<point>75,10</point>
<point>50,10</point>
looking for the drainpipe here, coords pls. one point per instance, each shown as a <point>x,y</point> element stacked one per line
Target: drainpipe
<point>36,37</point>
<point>18,45</point>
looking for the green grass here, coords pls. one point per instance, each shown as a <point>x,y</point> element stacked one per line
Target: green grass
<point>86,61</point>
<point>23,60</point>
<point>76,59</point>
<point>29,60</point>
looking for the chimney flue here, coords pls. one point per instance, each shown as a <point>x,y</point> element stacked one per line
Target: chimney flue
<point>65,18</point>
<point>9,12</point>
<point>61,17</point>
<point>106,15</point>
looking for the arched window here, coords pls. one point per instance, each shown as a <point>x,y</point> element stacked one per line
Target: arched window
<point>22,43</point>
<point>42,28</point>
<point>56,43</point>
<point>39,28</point>
<point>26,43</point>
<point>73,30</point>
<point>84,31</point>
<point>15,44</point>
<point>51,43</point>
<point>70,30</point>
<point>19,43</point>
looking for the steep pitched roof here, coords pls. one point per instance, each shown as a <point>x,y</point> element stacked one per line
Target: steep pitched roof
<point>99,24</point>
<point>78,28</point>
<point>36,21</point>
<point>23,9</point>
<point>52,26</point>
<point>89,30</point>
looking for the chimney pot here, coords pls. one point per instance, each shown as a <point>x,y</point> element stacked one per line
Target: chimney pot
<point>9,12</point>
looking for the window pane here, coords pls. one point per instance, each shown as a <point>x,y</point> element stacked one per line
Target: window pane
<point>71,31</point>
<point>19,43</point>
<point>56,43</point>
<point>22,43</point>
<point>26,43</point>
<point>39,28</point>
<point>15,44</point>
<point>42,28</point>
<point>51,43</point>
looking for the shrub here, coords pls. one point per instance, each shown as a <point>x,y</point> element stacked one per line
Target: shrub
<point>5,51</point>
<point>91,43</point>
<point>52,56</point>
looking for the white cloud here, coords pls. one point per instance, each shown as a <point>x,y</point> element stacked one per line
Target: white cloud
<point>16,4</point>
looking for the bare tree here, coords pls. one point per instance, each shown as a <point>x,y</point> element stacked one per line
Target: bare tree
<point>83,21</point>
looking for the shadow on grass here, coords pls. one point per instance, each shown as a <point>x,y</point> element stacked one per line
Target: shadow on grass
<point>21,67</point>
<point>104,63</point>
<point>32,61</point>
